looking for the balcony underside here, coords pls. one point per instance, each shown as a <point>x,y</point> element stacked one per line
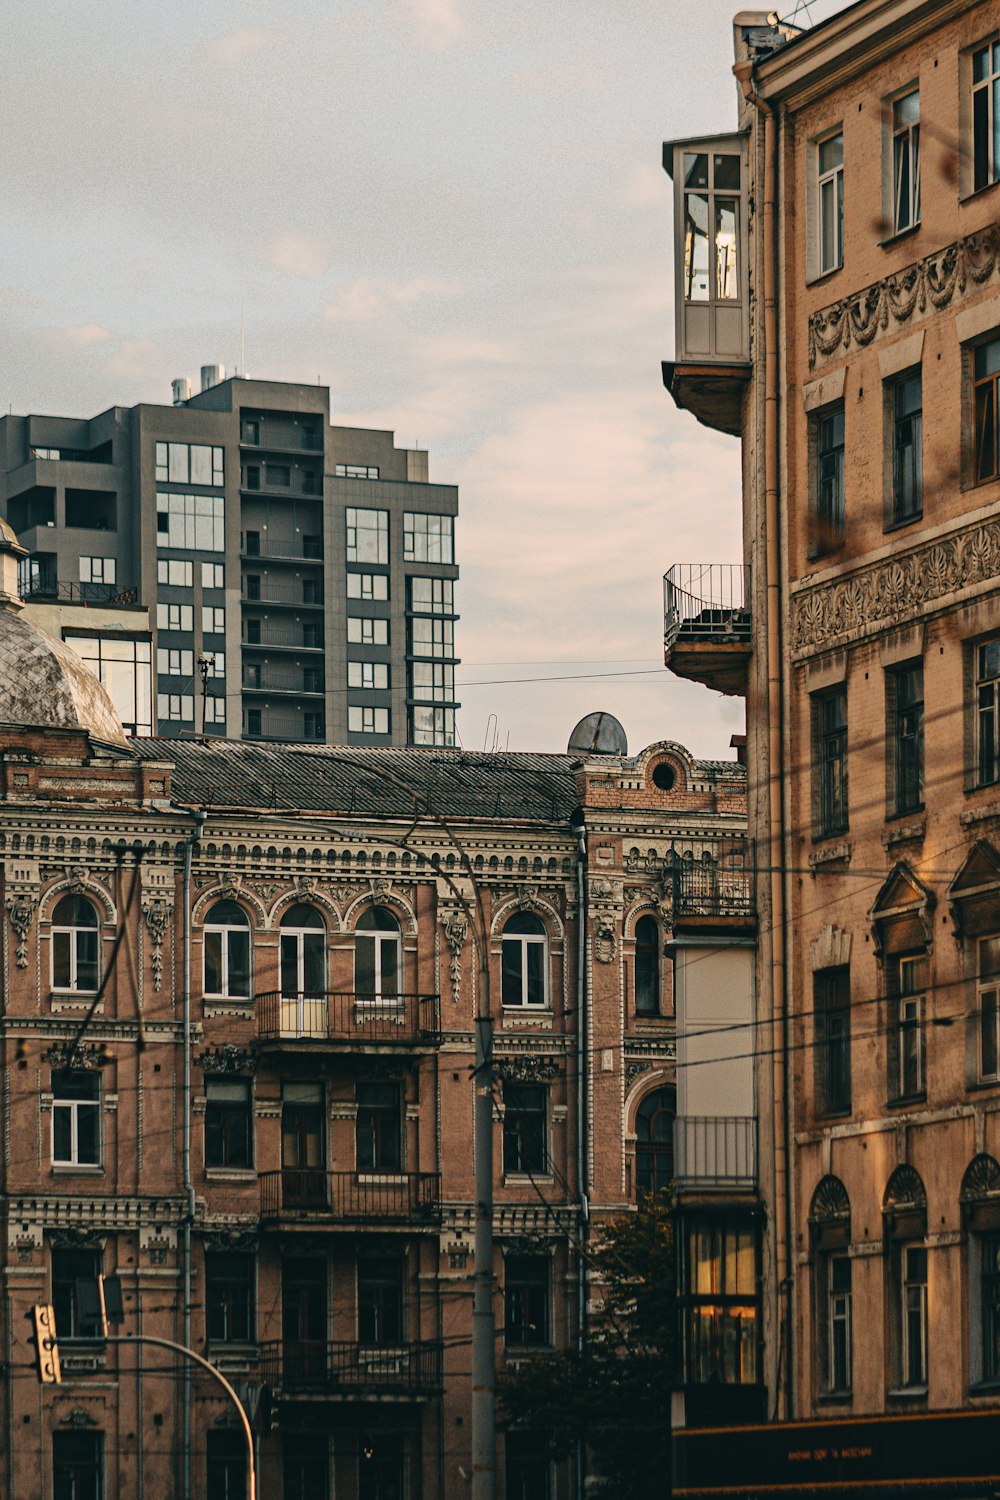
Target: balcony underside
<point>712,393</point>
<point>716,662</point>
<point>345,1372</point>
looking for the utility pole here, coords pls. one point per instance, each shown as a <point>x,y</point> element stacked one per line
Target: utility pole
<point>483,1332</point>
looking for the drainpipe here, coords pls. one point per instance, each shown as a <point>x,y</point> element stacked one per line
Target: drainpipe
<point>582,1080</point>
<point>776,840</point>
<point>199,821</point>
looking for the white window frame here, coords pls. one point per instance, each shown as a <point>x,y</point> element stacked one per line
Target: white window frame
<point>381,940</point>
<point>525,940</point>
<point>72,932</point>
<point>907,138</point>
<point>74,1107</point>
<point>224,930</point>
<point>910,1031</point>
<point>987,993</point>
<point>913,1300</point>
<point>819,266</point>
<point>969,91</point>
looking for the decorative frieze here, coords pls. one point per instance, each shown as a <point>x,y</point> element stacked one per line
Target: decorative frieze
<point>902,299</point>
<point>228,1060</point>
<point>525,1068</point>
<point>894,590</point>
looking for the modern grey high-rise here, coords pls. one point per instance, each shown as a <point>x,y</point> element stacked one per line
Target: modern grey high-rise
<point>299,576</point>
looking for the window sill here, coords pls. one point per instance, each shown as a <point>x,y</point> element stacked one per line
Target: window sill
<point>902,524</point>
<point>527,1179</point>
<point>76,1169</point>
<point>231,1174</point>
<point>917,1394</point>
<point>984,1387</point>
<point>835,1398</point>
<point>819,277</point>
<point>978,192</point>
<point>833,1114</point>
<point>899,234</point>
<point>980,1085</point>
<point>907,1101</point>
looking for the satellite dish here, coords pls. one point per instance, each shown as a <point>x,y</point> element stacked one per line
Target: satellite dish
<point>598,734</point>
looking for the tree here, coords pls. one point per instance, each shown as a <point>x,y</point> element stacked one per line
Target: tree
<point>613,1396</point>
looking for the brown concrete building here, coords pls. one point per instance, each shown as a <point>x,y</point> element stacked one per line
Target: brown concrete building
<point>239,984</point>
<point>838,273</point>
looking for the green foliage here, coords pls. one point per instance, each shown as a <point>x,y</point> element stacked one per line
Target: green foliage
<point>614,1395</point>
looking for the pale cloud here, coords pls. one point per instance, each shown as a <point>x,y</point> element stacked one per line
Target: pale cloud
<point>439,23</point>
<point>86,334</point>
<point>645,186</point>
<point>136,362</point>
<point>297,252</point>
<point>234,47</point>
<point>370,297</point>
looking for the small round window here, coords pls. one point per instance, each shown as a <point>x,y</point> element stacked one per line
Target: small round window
<point>664,776</point>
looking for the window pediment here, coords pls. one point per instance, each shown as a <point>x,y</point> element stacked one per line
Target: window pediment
<point>974,894</point>
<point>901,917</point>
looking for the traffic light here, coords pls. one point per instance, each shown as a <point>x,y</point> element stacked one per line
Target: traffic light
<point>46,1348</point>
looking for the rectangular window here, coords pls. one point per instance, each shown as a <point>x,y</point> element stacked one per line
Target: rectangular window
<point>432,681</point>
<point>366,720</point>
<point>832,1059</point>
<point>988,713</point>
<point>174,617</point>
<point>907,444</point>
<point>76,1119</point>
<point>986,397</point>
<point>428,538</point>
<point>229,1297</point>
<point>830,188</point>
<point>838,1329</point>
<point>192,523</point>
<point>986,115</point>
<point>69,1269</point>
<point>905,695</point>
<point>367,674</point>
<point>906,1050</point>
<point>190,463</point>
<point>228,1123</point>
<point>988,1007</point>
<point>525,1117</point>
<point>829,437</point>
<point>528,1470</point>
<point>380,1299</point>
<point>830,725</point>
<point>213,620</point>
<point>989,1246</point>
<point>213,575</point>
<point>174,663</point>
<point>914,1314</point>
<point>175,572</point>
<point>367,535</point>
<point>367,586</point>
<point>906,161</point>
<point>363,631</point>
<point>526,1299</point>
<point>356,471</point>
<point>430,636</point>
<point>226,1464</point>
<point>379,1127</point>
<point>720,1291</point>
<point>175,706</point>
<point>215,710</point>
<point>431,726</point>
<point>124,668</point>
<point>77,1465</point>
<point>431,596</point>
<point>98,570</point>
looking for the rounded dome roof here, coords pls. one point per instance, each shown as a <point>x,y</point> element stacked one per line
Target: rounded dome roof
<point>45,685</point>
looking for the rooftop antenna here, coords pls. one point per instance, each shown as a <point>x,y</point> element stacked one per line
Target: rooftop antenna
<point>491,720</point>
<point>243,348</point>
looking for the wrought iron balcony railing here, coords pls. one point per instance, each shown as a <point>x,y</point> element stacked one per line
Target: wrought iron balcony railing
<point>351,1369</point>
<point>718,883</point>
<point>347,1016</point>
<point>347,1197</point>
<point>706,602</point>
<point>715,1151</point>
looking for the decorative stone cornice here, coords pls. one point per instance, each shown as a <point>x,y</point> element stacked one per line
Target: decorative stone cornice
<point>905,297</point>
<point>894,590</point>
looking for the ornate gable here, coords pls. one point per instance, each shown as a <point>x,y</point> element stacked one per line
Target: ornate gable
<point>974,893</point>
<point>901,915</point>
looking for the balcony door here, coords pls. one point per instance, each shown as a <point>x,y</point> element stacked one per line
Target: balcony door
<point>303,1153</point>
<point>304,1318</point>
<point>303,972</point>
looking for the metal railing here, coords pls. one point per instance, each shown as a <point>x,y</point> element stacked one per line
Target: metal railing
<point>270,682</point>
<point>405,1369</point>
<point>706,601</point>
<point>346,1016</point>
<point>285,727</point>
<point>281,593</point>
<point>292,550</point>
<point>282,635</point>
<point>717,883</point>
<point>715,1151</point>
<point>107,595</point>
<point>349,1197</point>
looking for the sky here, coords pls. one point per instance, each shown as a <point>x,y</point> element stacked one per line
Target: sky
<point>453,213</point>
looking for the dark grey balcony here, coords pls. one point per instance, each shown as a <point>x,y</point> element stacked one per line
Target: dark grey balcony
<point>345,1018</point>
<point>706,624</point>
<point>349,1371</point>
<point>306,1196</point>
<point>716,886</point>
<point>715,1151</point>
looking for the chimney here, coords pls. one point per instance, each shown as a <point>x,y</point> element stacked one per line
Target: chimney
<point>181,389</point>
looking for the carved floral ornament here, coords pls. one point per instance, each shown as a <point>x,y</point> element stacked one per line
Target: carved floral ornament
<point>524,1068</point>
<point>157,911</point>
<point>228,1060</point>
<point>21,908</point>
<point>904,297</point>
<point>895,589</point>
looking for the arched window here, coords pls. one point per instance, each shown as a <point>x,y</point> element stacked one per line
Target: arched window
<point>830,1232</point>
<point>904,1232</point>
<point>524,961</point>
<point>654,1141</point>
<point>227,951</point>
<point>647,967</point>
<point>74,945</point>
<point>303,971</point>
<point>980,1201</point>
<point>378,963</point>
